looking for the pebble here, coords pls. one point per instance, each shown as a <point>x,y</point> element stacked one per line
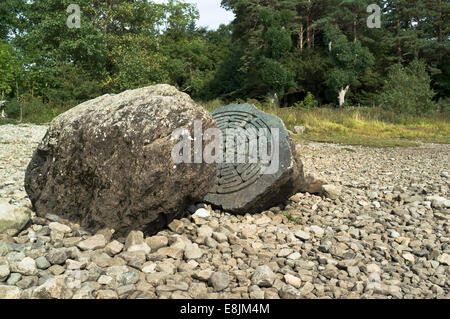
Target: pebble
<point>331,191</point>
<point>318,231</point>
<point>10,292</point>
<point>176,226</point>
<point>113,248</point>
<point>219,280</point>
<point>27,267</point>
<point>4,272</point>
<point>202,213</point>
<point>263,276</point>
<point>444,259</point>
<point>59,227</point>
<point>383,234</point>
<point>302,235</point>
<point>192,251</point>
<point>42,262</point>
<point>293,281</point>
<point>93,243</point>
<point>157,242</point>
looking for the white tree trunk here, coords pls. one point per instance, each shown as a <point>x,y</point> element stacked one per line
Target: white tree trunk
<point>274,100</point>
<point>342,94</point>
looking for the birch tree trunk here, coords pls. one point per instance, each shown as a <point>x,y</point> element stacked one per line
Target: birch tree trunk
<point>342,94</point>
<point>274,100</point>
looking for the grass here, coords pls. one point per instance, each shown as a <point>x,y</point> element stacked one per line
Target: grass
<point>292,219</point>
<point>32,110</point>
<point>363,126</point>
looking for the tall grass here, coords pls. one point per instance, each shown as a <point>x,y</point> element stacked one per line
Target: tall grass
<point>352,126</point>
<point>33,110</point>
<point>360,126</point>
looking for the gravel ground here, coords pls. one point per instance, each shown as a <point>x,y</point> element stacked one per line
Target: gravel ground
<point>381,231</point>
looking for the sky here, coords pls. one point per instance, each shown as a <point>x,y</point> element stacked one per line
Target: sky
<point>211,14</point>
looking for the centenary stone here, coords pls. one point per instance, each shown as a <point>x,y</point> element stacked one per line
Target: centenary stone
<point>107,162</point>
<point>253,187</point>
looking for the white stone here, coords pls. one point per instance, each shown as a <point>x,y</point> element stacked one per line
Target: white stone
<point>149,268</point>
<point>444,259</point>
<point>302,235</point>
<point>318,231</point>
<point>192,251</point>
<point>331,191</point>
<point>295,256</point>
<point>142,247</point>
<point>27,267</point>
<point>263,276</point>
<point>113,248</point>
<point>93,243</point>
<point>12,217</point>
<point>59,227</point>
<point>293,281</point>
<point>201,213</point>
<point>373,268</point>
<point>53,288</point>
<point>409,257</point>
<point>9,292</point>
<point>105,280</point>
<point>4,272</point>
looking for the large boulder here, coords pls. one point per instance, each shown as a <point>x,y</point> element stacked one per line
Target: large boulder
<point>107,162</point>
<point>246,187</point>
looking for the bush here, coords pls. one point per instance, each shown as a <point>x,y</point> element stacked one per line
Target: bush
<point>444,105</point>
<point>308,103</point>
<point>408,90</point>
<point>34,110</point>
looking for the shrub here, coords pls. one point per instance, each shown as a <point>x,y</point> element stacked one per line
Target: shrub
<point>308,103</point>
<point>33,110</point>
<point>444,105</point>
<point>408,90</point>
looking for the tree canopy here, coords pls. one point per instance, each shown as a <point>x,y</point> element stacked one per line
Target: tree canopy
<point>282,50</point>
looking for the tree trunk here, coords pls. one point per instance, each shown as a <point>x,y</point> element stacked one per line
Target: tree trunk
<point>342,94</point>
<point>301,37</point>
<point>399,46</point>
<point>274,100</point>
<point>355,36</point>
<point>17,90</point>
<point>308,24</point>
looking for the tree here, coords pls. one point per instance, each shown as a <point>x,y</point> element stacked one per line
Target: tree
<point>262,34</point>
<point>6,69</point>
<point>407,89</point>
<point>351,61</point>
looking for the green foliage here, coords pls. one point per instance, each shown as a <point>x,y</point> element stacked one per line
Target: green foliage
<point>350,58</point>
<point>407,89</point>
<point>444,105</point>
<point>6,69</point>
<point>308,103</point>
<point>274,51</point>
<point>278,42</point>
<point>275,76</point>
<point>33,110</point>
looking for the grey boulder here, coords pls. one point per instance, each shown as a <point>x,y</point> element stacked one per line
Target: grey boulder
<point>107,162</point>
<point>252,186</point>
